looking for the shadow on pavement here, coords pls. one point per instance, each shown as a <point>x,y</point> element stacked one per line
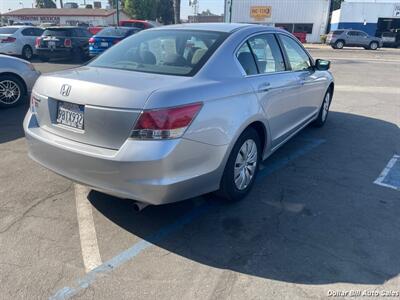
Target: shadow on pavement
<point>11,123</point>
<point>317,220</point>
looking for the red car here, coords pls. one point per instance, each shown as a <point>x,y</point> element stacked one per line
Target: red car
<point>137,23</point>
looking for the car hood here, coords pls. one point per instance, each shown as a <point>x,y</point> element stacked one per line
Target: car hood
<point>105,87</point>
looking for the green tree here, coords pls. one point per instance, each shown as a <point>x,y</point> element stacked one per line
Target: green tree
<point>142,9</point>
<point>336,4</point>
<point>45,4</point>
<point>165,11</point>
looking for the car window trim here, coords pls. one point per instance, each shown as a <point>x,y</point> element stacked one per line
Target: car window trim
<point>244,41</point>
<point>311,60</point>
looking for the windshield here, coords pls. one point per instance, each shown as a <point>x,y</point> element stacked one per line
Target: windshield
<point>112,31</point>
<point>56,32</point>
<point>174,52</point>
<point>8,30</point>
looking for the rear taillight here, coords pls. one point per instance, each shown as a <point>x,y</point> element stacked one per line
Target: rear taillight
<point>165,123</point>
<point>9,40</point>
<point>91,40</point>
<point>67,43</point>
<point>37,42</point>
<point>34,104</point>
<point>116,41</point>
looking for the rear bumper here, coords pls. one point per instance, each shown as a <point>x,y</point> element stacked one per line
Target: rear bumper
<point>56,53</point>
<point>95,51</point>
<point>154,172</point>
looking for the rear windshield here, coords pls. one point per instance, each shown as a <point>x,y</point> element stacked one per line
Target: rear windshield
<point>8,30</point>
<point>173,52</point>
<point>114,31</point>
<point>56,32</point>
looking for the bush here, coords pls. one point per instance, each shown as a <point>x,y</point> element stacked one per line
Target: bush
<point>322,38</point>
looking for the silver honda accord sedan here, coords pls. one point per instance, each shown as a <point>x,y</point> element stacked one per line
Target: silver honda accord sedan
<point>178,111</point>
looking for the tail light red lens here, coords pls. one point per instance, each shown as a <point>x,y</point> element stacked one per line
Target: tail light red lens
<point>9,40</point>
<point>67,43</point>
<point>91,40</point>
<point>37,42</point>
<point>168,123</point>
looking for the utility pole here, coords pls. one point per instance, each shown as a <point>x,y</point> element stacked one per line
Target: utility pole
<point>61,4</point>
<point>117,6</point>
<point>230,11</point>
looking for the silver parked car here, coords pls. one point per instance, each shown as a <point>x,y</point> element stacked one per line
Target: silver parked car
<point>353,38</point>
<point>17,77</point>
<point>178,111</point>
<point>19,40</point>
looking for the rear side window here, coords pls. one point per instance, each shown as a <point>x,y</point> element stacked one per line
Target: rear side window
<point>298,58</point>
<point>267,53</point>
<point>28,32</point>
<point>8,30</point>
<point>114,32</point>
<point>337,32</point>
<point>246,59</point>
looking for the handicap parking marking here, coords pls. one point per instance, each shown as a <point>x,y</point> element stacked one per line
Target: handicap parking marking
<point>163,233</point>
<point>390,176</point>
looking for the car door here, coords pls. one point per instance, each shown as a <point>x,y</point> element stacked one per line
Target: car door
<point>352,38</point>
<point>265,69</point>
<point>363,39</point>
<point>310,86</point>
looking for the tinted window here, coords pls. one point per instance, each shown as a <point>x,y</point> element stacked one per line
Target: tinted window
<point>57,32</point>
<point>8,30</point>
<point>246,59</point>
<point>267,53</point>
<point>286,26</point>
<point>298,58</point>
<point>112,31</point>
<point>307,28</point>
<point>337,32</point>
<point>28,32</point>
<point>352,33</point>
<point>37,31</point>
<point>162,52</point>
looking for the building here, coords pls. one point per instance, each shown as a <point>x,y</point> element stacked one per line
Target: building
<point>371,16</point>
<point>65,16</point>
<point>297,16</point>
<point>205,19</point>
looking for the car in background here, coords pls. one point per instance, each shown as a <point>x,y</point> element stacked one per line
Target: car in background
<point>17,77</point>
<point>108,37</point>
<point>95,29</point>
<point>142,24</point>
<point>66,42</point>
<point>391,39</point>
<point>19,40</point>
<point>178,111</point>
<point>352,38</point>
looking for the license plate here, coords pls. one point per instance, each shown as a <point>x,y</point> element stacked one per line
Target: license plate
<point>70,114</point>
<point>104,44</point>
<point>51,44</point>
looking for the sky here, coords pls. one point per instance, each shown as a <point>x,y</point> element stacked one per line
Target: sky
<point>215,6</point>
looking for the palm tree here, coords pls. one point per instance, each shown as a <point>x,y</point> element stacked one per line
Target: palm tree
<point>177,11</point>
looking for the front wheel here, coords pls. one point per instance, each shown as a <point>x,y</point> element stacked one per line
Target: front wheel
<point>242,167</point>
<point>324,110</point>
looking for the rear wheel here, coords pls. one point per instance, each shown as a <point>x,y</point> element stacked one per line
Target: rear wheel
<point>339,44</point>
<point>373,46</point>
<point>12,91</point>
<point>242,167</point>
<point>324,110</point>
<point>27,52</point>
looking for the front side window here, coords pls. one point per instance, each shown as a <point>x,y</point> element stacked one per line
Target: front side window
<point>173,52</point>
<point>297,57</point>
<point>267,54</point>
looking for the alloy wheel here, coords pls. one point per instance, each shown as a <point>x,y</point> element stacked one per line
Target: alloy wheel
<point>325,106</point>
<point>245,164</point>
<point>10,92</point>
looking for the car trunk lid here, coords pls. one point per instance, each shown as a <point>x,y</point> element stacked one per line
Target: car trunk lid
<point>109,100</point>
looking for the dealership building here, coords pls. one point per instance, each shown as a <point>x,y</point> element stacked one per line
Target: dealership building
<point>371,16</point>
<point>65,16</point>
<point>297,16</point>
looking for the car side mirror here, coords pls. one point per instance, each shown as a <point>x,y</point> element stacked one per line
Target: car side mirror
<point>322,65</point>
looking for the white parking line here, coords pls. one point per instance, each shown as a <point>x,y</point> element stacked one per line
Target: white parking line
<point>391,183</point>
<point>87,231</point>
<point>368,89</point>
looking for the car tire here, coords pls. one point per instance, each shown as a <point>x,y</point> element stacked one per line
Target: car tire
<point>12,91</point>
<point>373,46</point>
<point>27,52</point>
<point>339,44</point>
<point>324,110</point>
<point>44,58</point>
<point>243,162</point>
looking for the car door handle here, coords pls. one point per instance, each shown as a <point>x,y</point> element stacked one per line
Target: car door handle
<point>265,87</point>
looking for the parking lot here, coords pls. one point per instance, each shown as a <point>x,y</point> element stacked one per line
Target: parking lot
<point>315,225</point>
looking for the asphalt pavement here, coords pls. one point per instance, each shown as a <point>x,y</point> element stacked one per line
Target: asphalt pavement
<point>316,224</point>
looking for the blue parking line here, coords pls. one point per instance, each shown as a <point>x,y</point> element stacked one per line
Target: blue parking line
<point>132,252</point>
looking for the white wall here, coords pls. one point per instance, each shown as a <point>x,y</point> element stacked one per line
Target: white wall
<point>284,11</point>
<point>362,11</point>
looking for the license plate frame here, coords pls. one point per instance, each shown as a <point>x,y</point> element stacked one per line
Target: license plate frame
<point>71,115</point>
<point>104,44</point>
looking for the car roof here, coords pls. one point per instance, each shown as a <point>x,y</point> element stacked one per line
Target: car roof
<point>221,27</point>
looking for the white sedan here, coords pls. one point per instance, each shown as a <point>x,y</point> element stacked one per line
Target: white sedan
<point>19,40</point>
